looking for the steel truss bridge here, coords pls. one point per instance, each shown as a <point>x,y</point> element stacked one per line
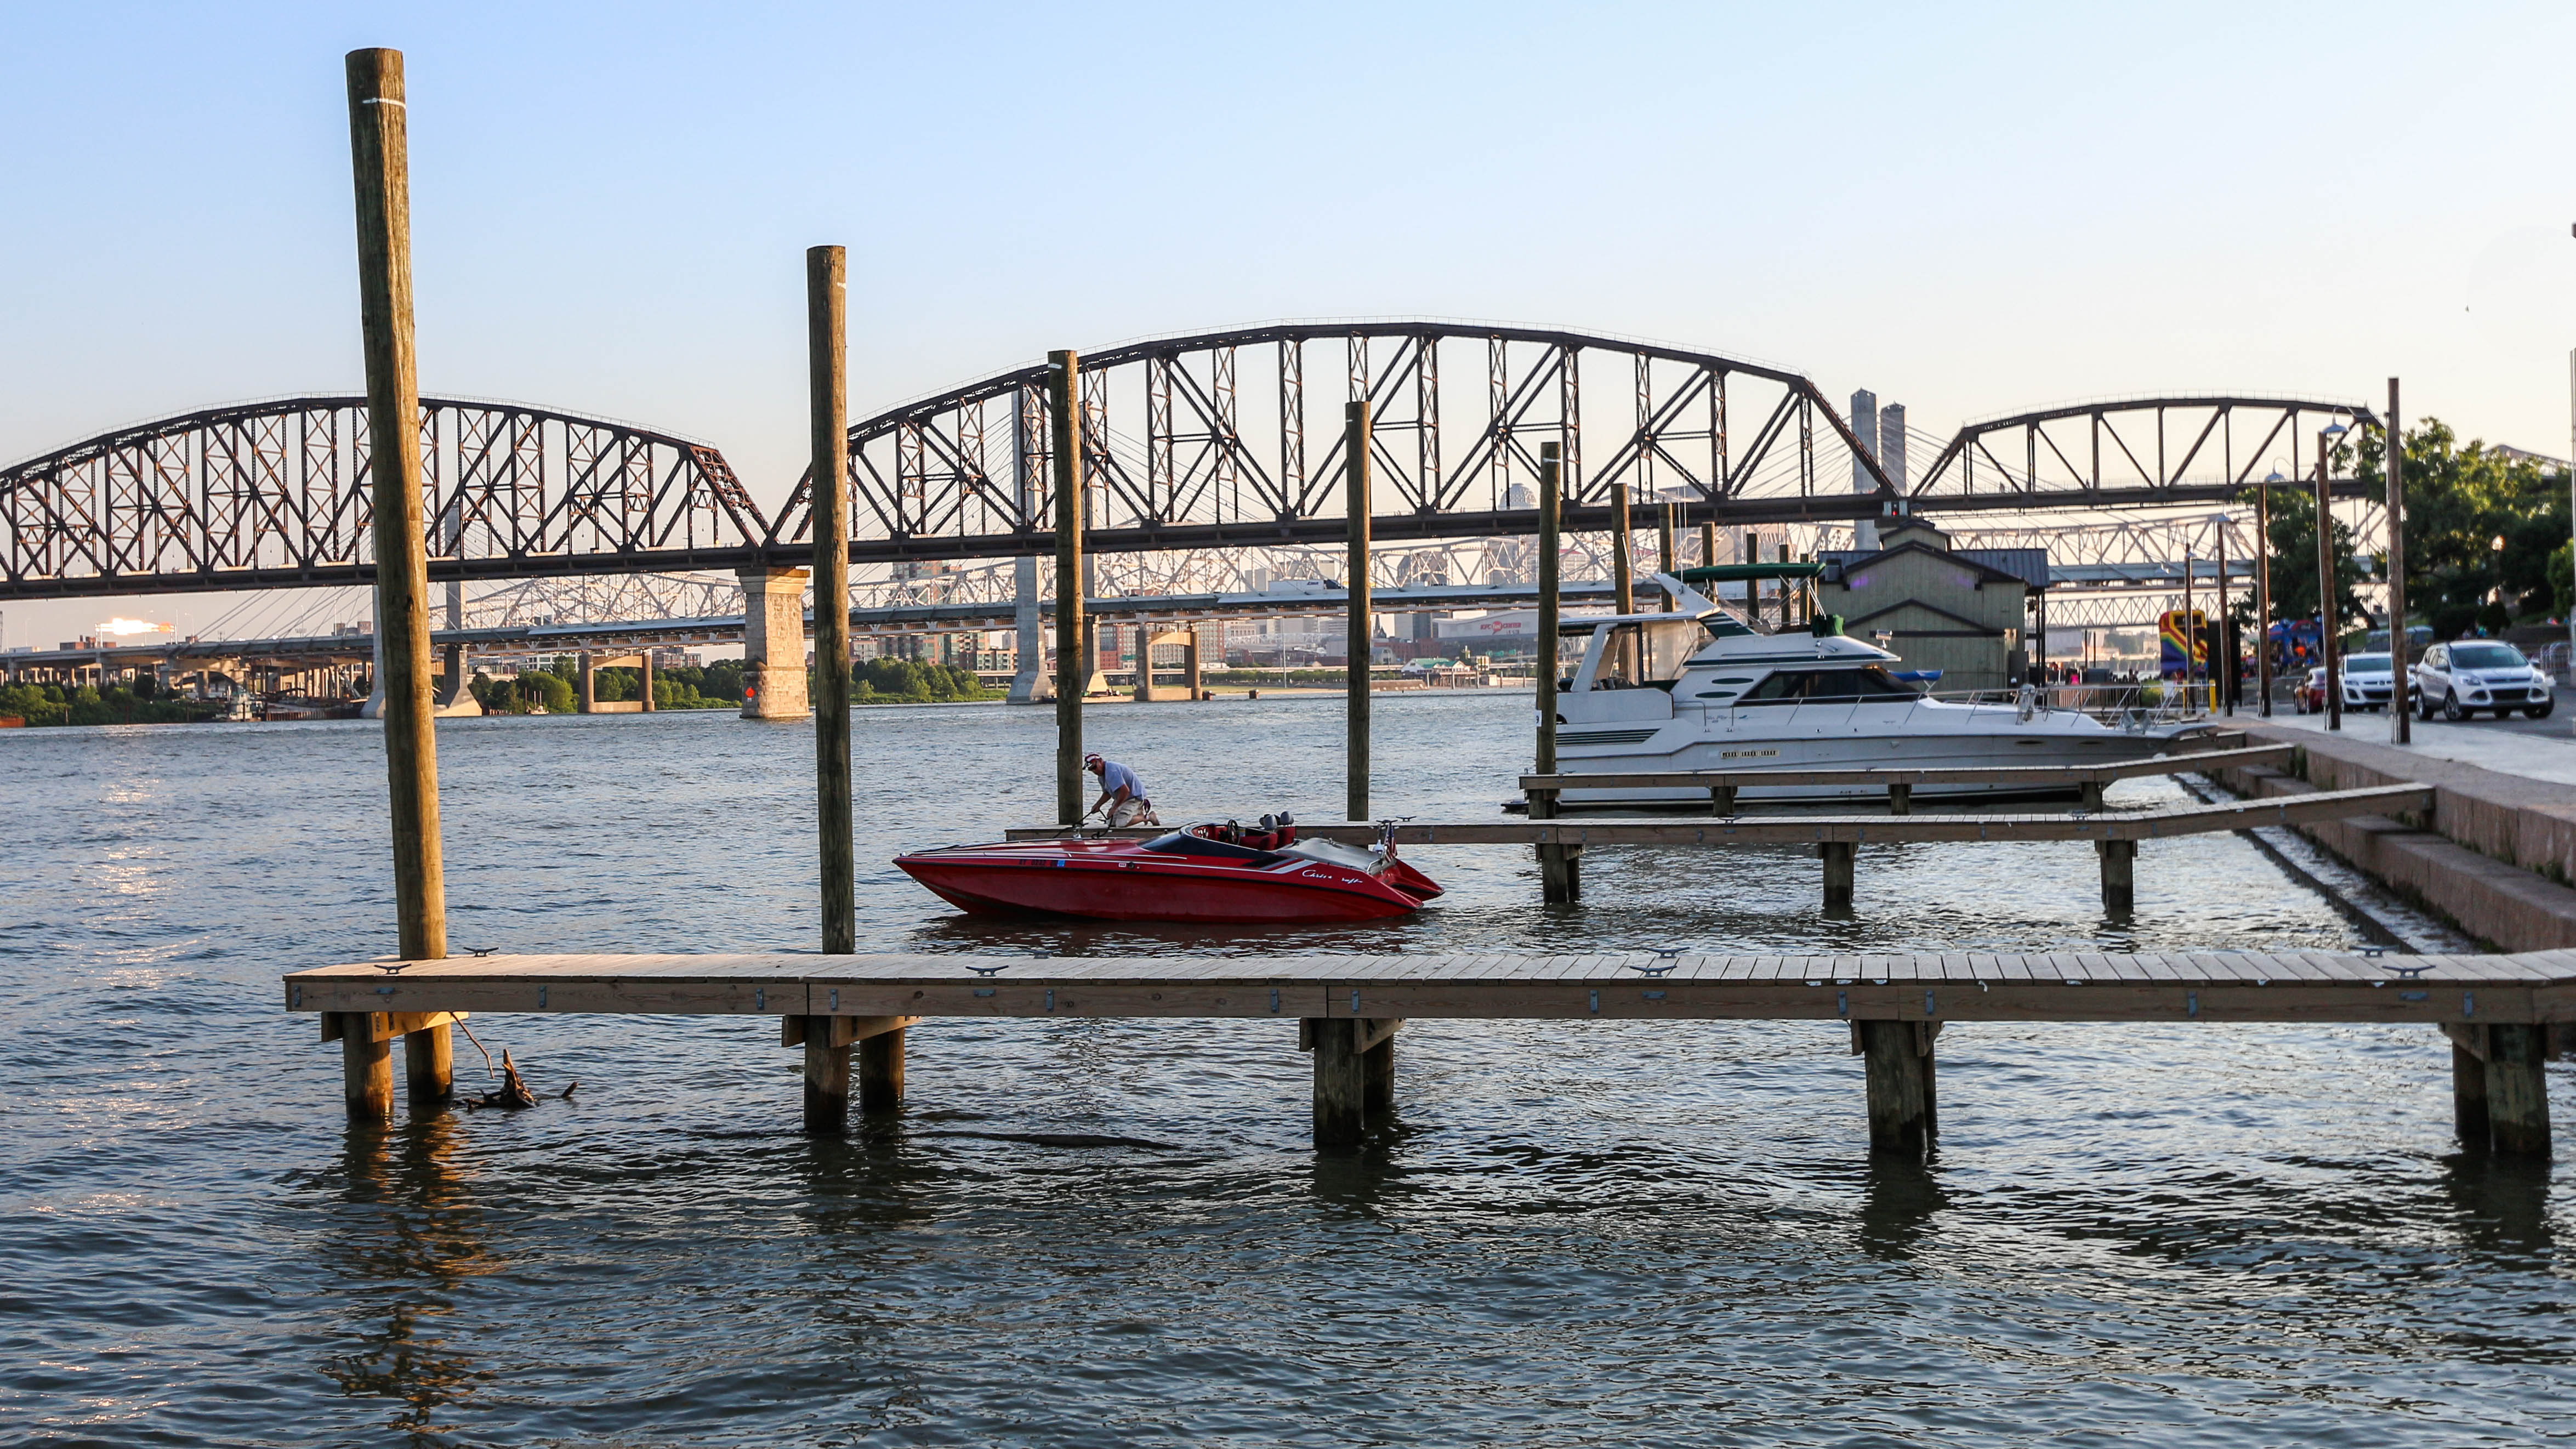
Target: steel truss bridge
<point>1213,466</point>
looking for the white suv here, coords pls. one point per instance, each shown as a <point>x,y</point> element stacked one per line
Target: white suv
<point>2462,678</point>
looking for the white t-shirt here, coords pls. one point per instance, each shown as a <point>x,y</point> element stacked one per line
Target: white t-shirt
<point>1114,774</point>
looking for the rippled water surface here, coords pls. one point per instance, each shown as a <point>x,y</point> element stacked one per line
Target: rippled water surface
<point>1578,1233</point>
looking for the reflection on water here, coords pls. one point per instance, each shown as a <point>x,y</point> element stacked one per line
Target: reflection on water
<point>1106,1232</point>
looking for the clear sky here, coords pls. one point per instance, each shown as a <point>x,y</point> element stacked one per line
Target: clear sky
<point>1969,209</point>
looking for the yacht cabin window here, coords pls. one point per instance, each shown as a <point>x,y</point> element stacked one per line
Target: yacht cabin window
<point>1870,684</point>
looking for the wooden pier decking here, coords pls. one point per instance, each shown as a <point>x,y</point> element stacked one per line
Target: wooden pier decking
<point>1901,781</point>
<point>1350,1007</point>
<point>1836,838</point>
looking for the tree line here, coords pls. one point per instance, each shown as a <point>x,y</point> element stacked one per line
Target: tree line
<point>2460,499</point>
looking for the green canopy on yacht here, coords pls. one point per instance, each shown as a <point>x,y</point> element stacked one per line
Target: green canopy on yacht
<point>1746,572</point>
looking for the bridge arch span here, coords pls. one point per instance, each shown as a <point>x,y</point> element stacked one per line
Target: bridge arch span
<point>275,492</point>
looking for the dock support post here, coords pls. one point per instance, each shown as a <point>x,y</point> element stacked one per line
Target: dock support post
<point>429,1066</point>
<point>827,1078</point>
<point>1560,878</point>
<point>1721,799</point>
<point>1900,799</point>
<point>1341,1089</point>
<point>1377,1070</point>
<point>1897,1065</point>
<point>2517,1091</point>
<point>881,1071</point>
<point>1075,657</point>
<point>1356,641</point>
<point>380,166</point>
<point>2469,1097</point>
<point>366,1070</point>
<point>2092,794</point>
<point>826,293</point>
<point>1837,855</point>
<point>2119,874</point>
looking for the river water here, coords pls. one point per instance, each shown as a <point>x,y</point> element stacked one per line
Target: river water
<point>1586,1233</point>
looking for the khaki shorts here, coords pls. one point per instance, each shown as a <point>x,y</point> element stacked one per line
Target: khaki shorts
<point>1132,812</point>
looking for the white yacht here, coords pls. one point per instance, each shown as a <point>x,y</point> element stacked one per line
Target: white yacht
<point>1699,689</point>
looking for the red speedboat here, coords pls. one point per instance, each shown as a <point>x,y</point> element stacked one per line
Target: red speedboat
<point>1215,872</point>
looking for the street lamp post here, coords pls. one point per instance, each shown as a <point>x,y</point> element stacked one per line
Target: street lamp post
<point>2263,592</point>
<point>2325,578</point>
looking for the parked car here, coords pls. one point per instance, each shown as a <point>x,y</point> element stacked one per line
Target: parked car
<point>2366,685</point>
<point>2308,696</point>
<point>2460,678</point>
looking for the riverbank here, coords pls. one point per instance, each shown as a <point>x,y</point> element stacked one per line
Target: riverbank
<point>2496,853</point>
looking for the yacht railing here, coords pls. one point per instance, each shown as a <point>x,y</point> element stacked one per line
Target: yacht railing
<point>2134,708</point>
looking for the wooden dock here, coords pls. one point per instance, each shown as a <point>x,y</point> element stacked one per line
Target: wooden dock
<point>1900,782</point>
<point>1349,1007</point>
<point>1837,838</point>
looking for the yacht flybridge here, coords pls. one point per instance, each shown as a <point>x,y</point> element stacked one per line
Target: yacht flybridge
<point>1699,689</point>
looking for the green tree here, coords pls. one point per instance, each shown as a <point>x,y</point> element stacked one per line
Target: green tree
<point>2459,501</point>
<point>2294,561</point>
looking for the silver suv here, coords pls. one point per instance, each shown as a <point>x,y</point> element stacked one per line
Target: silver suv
<point>2459,679</point>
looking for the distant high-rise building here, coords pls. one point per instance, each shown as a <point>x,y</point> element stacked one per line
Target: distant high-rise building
<point>1864,426</point>
<point>1891,443</point>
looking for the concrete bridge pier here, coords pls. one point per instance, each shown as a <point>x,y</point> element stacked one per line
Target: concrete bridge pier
<point>1033,684</point>
<point>773,644</point>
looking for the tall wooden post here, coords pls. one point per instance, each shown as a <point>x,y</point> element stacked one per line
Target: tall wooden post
<point>1707,544</point>
<point>2326,589</point>
<point>1559,868</point>
<point>2263,599</point>
<point>1665,557</point>
<point>827,396</point>
<point>1355,664</point>
<point>1072,668</point>
<point>1623,567</point>
<point>1551,543</point>
<point>379,148</point>
<point>2401,718</point>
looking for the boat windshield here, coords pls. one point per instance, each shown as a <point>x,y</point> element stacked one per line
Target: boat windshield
<point>1869,684</point>
<point>1648,654</point>
<point>1182,842</point>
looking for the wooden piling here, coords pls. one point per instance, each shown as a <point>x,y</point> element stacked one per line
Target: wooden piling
<point>380,163</point>
<point>1559,866</point>
<point>1900,799</point>
<point>2469,1091</point>
<point>827,1078</point>
<point>429,1066</point>
<point>1377,1068</point>
<point>2517,1090</point>
<point>1623,567</point>
<point>367,1073</point>
<point>1896,1065</point>
<point>827,398</point>
<point>1073,663</point>
<point>1667,558</point>
<point>1838,857</point>
<point>2119,875</point>
<point>1707,543</point>
<point>881,1071</point>
<point>1356,639</point>
<point>1341,1086</point>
